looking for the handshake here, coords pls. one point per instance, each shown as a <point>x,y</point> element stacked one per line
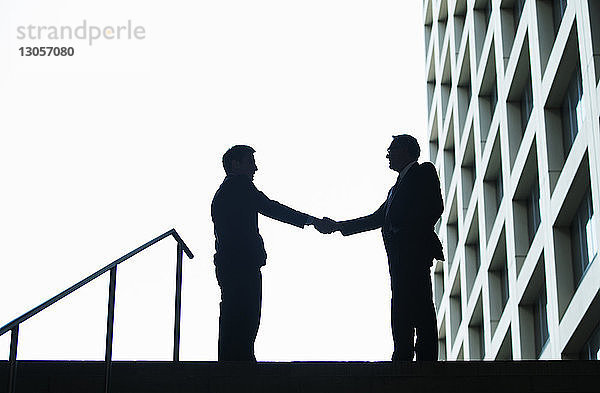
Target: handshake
<point>326,225</point>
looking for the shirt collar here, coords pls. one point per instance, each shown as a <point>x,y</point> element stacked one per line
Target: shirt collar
<point>405,170</point>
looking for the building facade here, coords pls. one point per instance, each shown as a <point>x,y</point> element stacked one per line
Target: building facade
<point>514,131</point>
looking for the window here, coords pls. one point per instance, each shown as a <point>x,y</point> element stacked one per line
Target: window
<point>572,111</point>
<point>493,99</point>
<point>583,237</point>
<point>533,210</point>
<point>499,189</point>
<point>481,342</point>
<point>591,349</point>
<point>469,89</point>
<point>476,342</point>
<point>526,104</point>
<point>488,11</point>
<point>558,10</point>
<point>504,284</point>
<point>540,321</point>
<point>518,11</point>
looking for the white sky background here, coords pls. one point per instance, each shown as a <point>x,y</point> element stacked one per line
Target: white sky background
<point>103,151</point>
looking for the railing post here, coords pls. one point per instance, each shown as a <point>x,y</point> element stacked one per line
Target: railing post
<point>109,327</point>
<point>178,278</point>
<point>12,378</point>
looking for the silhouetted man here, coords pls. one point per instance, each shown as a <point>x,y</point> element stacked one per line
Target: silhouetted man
<point>240,252</point>
<point>407,219</point>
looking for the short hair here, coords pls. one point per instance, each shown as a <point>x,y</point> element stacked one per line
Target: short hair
<point>237,153</point>
<point>407,142</point>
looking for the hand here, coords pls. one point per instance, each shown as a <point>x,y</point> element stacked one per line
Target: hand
<point>326,225</point>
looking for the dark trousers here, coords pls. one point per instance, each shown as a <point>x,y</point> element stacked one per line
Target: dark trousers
<point>241,294</point>
<point>413,312</point>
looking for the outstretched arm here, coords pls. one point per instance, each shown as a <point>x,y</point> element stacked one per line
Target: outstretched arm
<point>283,213</point>
<point>363,224</point>
<point>278,211</point>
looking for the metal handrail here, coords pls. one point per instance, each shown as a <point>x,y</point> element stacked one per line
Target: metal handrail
<point>13,326</point>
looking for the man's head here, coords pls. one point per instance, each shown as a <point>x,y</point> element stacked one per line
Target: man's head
<point>403,150</point>
<point>239,160</point>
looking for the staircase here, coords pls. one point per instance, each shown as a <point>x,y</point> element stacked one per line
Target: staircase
<point>300,377</point>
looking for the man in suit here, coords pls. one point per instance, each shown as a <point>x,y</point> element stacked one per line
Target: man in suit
<point>240,252</point>
<point>407,219</point>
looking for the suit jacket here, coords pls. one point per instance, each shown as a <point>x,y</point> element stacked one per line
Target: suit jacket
<point>234,210</point>
<point>408,223</point>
